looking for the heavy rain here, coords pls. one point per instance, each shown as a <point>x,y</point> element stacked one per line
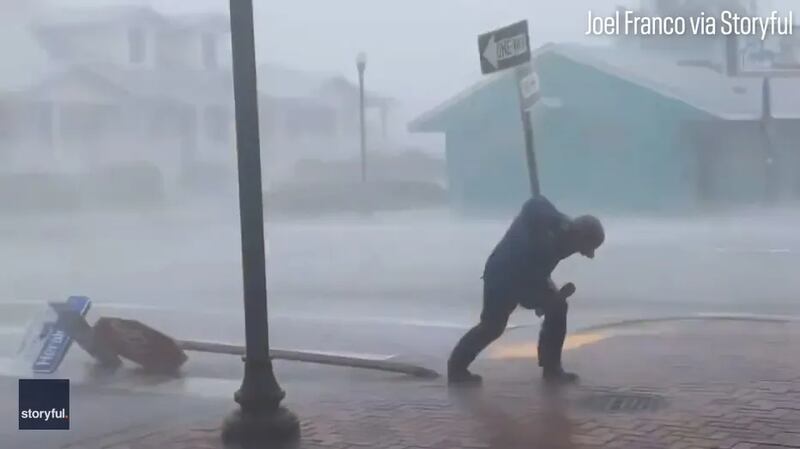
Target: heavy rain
<point>391,168</point>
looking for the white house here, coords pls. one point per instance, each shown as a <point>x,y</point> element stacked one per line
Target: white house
<point>120,85</point>
<point>113,85</point>
<point>315,116</point>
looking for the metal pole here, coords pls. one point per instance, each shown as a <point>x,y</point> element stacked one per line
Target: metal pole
<point>530,154</point>
<point>363,126</point>
<point>527,127</point>
<point>260,416</point>
<point>732,56</point>
<point>772,177</point>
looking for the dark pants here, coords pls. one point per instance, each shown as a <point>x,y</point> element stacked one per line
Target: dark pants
<point>496,311</point>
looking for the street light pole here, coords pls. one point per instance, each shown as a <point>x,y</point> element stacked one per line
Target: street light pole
<point>361,64</point>
<point>260,417</point>
<point>772,178</point>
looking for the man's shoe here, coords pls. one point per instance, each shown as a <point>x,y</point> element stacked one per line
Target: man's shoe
<point>463,377</point>
<point>558,376</point>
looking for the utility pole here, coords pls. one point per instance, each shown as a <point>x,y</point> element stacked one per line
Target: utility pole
<point>260,418</point>
<point>771,167</point>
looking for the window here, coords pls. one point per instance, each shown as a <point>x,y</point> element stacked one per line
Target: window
<point>209,51</point>
<point>164,122</point>
<point>137,45</point>
<point>218,124</point>
<point>86,124</point>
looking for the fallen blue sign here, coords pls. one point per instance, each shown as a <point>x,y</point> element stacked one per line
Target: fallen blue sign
<point>56,341</point>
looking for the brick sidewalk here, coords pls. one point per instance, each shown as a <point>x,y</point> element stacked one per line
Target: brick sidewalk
<point>695,385</point>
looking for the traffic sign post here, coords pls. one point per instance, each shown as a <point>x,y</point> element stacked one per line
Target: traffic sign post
<point>506,48</point>
<point>76,326</point>
<point>528,89</point>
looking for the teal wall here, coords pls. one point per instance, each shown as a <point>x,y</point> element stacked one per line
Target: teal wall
<point>485,152</point>
<point>611,146</point>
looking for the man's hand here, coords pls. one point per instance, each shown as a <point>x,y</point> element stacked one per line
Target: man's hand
<point>562,294</point>
<point>566,291</point>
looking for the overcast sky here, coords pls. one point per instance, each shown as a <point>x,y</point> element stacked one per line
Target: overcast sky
<point>421,51</point>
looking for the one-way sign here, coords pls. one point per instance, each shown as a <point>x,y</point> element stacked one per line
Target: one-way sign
<point>509,47</point>
<point>504,48</point>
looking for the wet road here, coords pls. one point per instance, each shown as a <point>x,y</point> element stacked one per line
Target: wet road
<point>386,286</point>
<point>414,267</point>
<point>406,284</point>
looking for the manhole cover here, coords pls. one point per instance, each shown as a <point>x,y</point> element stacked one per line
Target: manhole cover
<point>623,402</point>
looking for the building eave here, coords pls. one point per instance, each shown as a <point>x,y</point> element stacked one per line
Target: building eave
<point>433,120</point>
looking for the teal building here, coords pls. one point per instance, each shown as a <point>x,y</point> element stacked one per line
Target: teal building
<point>621,130</point>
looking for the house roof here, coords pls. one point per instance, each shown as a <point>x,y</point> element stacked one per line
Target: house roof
<point>183,85</point>
<point>176,84</point>
<point>282,82</point>
<point>26,65</point>
<point>704,89</point>
<point>131,14</point>
<point>343,87</point>
<point>81,16</point>
<point>45,89</point>
<point>213,22</point>
<point>701,88</point>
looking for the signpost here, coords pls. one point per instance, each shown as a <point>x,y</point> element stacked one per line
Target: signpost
<point>110,340</point>
<point>506,48</point>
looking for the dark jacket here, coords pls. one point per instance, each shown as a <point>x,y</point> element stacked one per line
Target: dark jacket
<point>519,268</point>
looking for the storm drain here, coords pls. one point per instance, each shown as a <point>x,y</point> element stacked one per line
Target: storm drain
<point>623,402</point>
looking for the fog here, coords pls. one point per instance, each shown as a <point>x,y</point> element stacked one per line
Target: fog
<point>404,41</point>
<point>118,172</point>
